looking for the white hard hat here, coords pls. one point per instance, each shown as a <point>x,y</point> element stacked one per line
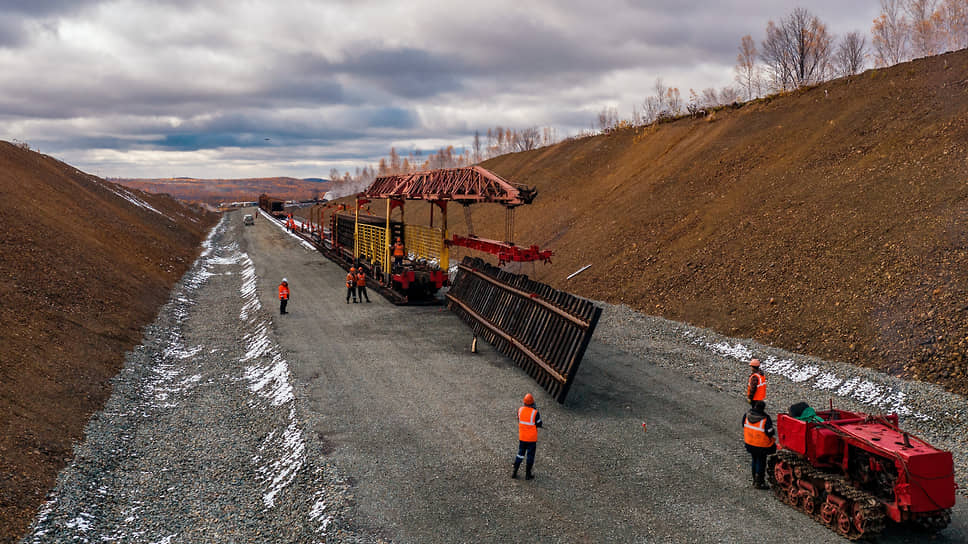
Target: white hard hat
<point>284,280</point>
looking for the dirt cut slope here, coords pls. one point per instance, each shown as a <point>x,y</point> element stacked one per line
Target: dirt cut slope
<point>832,221</point>
<point>216,191</point>
<point>85,264</point>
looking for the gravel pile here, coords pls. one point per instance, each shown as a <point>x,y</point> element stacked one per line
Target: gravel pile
<point>925,410</point>
<point>201,440</point>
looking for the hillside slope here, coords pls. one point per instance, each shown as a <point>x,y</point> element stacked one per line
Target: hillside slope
<point>215,191</point>
<point>85,265</point>
<point>832,221</point>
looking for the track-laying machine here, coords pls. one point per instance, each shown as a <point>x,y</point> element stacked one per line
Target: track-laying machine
<point>352,237</point>
<point>853,472</point>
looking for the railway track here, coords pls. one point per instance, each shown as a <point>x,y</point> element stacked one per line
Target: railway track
<point>543,330</point>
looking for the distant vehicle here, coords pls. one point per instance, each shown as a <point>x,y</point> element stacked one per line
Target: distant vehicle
<point>248,219</point>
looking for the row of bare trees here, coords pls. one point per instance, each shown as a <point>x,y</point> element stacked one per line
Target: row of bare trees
<point>496,141</point>
<point>799,50</point>
<point>908,29</point>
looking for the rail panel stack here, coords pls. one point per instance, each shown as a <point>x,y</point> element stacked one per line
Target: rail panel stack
<point>543,330</point>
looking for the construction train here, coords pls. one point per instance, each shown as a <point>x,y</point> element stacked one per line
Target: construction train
<point>354,238</point>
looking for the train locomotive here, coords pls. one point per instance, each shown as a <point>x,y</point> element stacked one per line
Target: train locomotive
<point>853,472</point>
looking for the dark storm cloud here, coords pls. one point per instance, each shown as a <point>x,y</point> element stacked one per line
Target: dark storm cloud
<point>12,31</point>
<point>406,72</point>
<point>17,15</point>
<point>39,8</point>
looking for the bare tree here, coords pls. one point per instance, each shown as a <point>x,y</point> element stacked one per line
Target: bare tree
<point>728,95</point>
<point>849,58</point>
<point>924,27</point>
<point>528,139</point>
<point>607,118</point>
<point>890,34</point>
<point>674,100</point>
<point>650,109</point>
<point>954,23</point>
<point>797,51</point>
<point>477,146</point>
<point>745,68</point>
<point>709,97</point>
<point>660,94</point>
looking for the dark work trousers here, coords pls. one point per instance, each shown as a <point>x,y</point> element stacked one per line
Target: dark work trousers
<point>361,292</point>
<point>759,458</point>
<point>351,292</point>
<point>282,305</point>
<point>525,448</point>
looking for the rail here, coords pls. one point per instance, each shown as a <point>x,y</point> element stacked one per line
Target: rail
<point>543,330</point>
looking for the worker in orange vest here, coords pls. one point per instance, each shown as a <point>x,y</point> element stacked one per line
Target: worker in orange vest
<point>399,252</point>
<point>283,296</point>
<point>351,285</point>
<point>528,422</point>
<point>756,388</point>
<point>758,434</point>
<point>361,285</point>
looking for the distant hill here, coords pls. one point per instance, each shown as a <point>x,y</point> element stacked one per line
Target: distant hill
<point>831,221</point>
<point>214,191</point>
<point>85,265</point>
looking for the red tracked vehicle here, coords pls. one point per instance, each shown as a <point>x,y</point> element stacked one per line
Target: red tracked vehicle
<point>853,472</point>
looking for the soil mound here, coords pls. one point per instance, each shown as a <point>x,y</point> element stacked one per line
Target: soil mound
<point>832,220</point>
<point>85,264</point>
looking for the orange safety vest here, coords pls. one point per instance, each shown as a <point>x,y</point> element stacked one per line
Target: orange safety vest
<point>398,249</point>
<point>361,280</point>
<point>754,434</point>
<point>527,431</point>
<point>283,292</point>
<point>759,382</point>
<point>349,280</point>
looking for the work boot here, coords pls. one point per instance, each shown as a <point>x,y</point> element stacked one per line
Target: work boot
<point>527,473</point>
<point>514,473</point>
<point>760,482</point>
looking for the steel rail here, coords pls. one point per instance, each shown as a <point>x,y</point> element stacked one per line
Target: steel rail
<point>524,349</point>
<point>532,296</point>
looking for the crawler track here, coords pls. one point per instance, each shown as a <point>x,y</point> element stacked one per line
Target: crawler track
<point>827,498</point>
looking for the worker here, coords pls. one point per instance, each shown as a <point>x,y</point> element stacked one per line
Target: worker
<point>283,296</point>
<point>528,422</point>
<point>758,434</point>
<point>398,253</point>
<point>351,285</point>
<point>361,285</point>
<point>756,388</point>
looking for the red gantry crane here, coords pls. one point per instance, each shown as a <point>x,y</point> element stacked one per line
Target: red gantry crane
<point>466,186</point>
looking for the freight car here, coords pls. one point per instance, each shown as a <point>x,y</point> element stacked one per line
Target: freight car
<point>853,471</point>
<point>272,206</point>
<point>363,240</point>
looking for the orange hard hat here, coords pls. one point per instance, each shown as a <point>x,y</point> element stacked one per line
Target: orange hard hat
<point>352,269</point>
<point>755,363</point>
<point>528,399</point>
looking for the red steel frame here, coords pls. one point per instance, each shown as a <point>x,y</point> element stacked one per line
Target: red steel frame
<point>465,185</point>
<point>468,185</point>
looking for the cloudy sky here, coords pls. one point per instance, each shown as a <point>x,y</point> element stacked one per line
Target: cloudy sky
<point>238,88</point>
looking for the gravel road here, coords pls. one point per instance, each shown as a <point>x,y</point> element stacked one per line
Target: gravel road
<point>373,423</point>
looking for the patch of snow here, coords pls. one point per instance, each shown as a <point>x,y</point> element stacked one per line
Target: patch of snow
<point>878,396</point>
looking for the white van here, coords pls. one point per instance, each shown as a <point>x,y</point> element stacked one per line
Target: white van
<point>248,219</point>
